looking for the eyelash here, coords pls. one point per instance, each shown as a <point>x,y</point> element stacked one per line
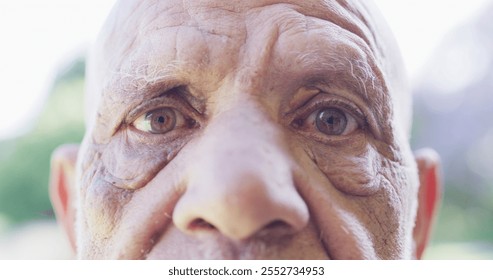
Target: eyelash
<point>306,110</point>
<point>162,102</point>
<point>299,121</point>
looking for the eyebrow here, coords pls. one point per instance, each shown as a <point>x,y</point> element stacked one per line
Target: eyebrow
<point>348,70</point>
<point>170,84</point>
<point>126,90</point>
<point>144,83</point>
<point>144,77</point>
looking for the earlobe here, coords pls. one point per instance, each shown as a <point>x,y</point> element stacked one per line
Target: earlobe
<point>429,196</point>
<point>62,187</point>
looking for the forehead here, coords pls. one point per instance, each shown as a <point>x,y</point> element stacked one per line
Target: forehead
<point>140,35</point>
<point>179,12</point>
<point>135,19</point>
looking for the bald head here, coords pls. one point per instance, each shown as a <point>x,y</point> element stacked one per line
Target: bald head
<point>246,129</point>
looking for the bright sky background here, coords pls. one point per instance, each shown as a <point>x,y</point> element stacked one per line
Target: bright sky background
<point>38,38</point>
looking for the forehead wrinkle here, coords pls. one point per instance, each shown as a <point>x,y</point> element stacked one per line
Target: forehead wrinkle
<point>150,30</point>
<point>348,14</point>
<point>132,24</point>
<point>333,51</point>
<point>256,52</point>
<point>350,17</point>
<point>332,11</point>
<point>344,14</point>
<point>360,11</point>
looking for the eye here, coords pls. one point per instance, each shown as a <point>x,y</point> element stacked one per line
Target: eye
<point>159,121</point>
<point>333,121</point>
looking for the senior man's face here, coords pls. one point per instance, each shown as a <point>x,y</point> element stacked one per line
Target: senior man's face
<point>245,129</point>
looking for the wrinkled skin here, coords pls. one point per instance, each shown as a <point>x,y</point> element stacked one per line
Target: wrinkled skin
<point>246,172</point>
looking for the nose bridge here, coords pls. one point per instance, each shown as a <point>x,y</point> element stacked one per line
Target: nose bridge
<point>241,179</point>
<point>243,131</point>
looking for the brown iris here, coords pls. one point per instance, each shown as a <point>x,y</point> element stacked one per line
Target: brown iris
<point>161,120</point>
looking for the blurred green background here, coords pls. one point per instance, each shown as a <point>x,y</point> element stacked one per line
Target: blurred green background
<point>25,161</point>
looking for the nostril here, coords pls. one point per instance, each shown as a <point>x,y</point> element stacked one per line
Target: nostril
<point>199,223</point>
<point>277,224</point>
<point>276,228</point>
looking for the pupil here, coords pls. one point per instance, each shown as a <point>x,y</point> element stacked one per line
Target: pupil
<point>331,121</point>
<point>161,120</point>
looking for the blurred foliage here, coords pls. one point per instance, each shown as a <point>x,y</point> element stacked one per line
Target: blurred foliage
<point>25,161</point>
<point>452,114</point>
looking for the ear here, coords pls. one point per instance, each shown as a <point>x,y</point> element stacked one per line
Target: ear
<point>62,187</point>
<point>429,197</point>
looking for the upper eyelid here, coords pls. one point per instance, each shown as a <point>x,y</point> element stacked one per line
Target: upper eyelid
<point>315,104</point>
<point>168,100</point>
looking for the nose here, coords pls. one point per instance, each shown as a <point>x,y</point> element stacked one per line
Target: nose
<point>240,181</point>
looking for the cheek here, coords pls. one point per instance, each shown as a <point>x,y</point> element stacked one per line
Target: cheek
<point>130,163</point>
<point>372,187</point>
<point>111,174</point>
<point>353,169</point>
<point>389,211</point>
<point>382,215</point>
<point>102,206</point>
<point>100,202</point>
